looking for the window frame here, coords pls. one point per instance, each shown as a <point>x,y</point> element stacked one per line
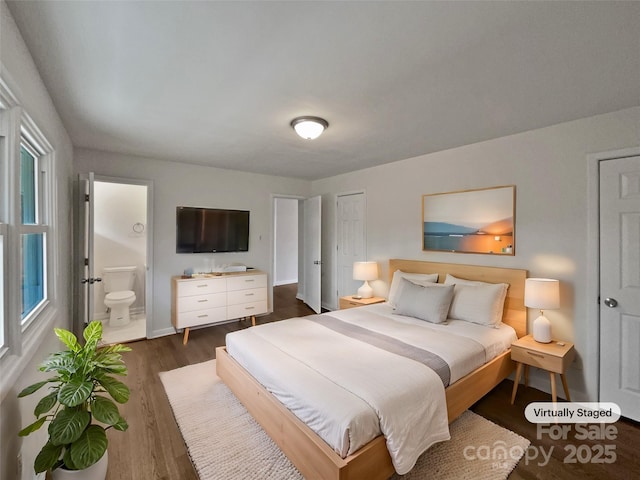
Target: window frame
<point>22,338</point>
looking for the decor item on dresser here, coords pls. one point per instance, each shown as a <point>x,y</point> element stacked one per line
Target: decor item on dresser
<point>543,294</point>
<point>470,221</point>
<point>78,396</point>
<point>216,298</point>
<point>308,402</point>
<point>365,271</point>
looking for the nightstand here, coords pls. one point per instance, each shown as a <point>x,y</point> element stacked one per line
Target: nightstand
<point>554,357</point>
<point>350,302</point>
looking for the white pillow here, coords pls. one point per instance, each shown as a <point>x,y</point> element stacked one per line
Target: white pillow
<point>477,302</point>
<point>417,278</point>
<point>429,302</point>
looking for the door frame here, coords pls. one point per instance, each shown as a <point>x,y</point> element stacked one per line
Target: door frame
<point>272,245</point>
<point>592,362</point>
<point>148,294</point>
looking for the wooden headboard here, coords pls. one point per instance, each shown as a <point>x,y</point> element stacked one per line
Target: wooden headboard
<point>514,314</point>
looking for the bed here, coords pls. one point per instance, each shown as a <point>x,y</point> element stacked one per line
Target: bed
<point>312,455</point>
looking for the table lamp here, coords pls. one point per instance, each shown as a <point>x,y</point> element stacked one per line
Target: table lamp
<point>544,294</point>
<point>365,271</point>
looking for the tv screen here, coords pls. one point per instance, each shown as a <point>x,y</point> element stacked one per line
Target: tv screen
<point>201,230</point>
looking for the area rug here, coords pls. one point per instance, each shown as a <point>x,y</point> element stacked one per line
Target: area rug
<point>226,443</point>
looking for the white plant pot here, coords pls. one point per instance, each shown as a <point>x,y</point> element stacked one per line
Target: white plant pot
<point>97,471</point>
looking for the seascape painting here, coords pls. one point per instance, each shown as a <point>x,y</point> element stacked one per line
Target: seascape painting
<point>470,221</point>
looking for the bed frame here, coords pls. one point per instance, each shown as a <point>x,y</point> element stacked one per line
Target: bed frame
<point>313,457</point>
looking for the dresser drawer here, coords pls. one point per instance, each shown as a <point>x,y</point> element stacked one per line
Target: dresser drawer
<point>244,296</point>
<point>202,302</point>
<point>243,282</point>
<point>201,317</point>
<point>546,361</point>
<point>247,309</point>
<point>202,286</point>
<point>348,304</point>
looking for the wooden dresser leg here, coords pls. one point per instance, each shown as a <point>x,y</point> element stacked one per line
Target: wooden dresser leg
<point>566,388</point>
<point>253,320</point>
<point>186,336</point>
<point>516,382</point>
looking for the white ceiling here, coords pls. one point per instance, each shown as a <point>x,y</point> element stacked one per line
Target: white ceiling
<point>217,83</point>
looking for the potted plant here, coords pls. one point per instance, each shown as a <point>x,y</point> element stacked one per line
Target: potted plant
<point>77,397</point>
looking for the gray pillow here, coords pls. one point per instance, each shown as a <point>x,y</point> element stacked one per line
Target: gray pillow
<point>425,302</point>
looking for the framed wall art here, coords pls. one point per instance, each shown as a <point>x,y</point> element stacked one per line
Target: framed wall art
<point>470,221</point>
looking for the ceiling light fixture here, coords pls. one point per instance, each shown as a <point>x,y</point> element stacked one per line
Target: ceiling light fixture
<point>309,127</point>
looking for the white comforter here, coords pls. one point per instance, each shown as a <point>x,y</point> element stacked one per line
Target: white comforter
<point>348,391</point>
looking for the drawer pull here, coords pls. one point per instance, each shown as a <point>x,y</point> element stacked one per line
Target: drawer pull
<point>249,308</point>
<point>249,294</point>
<point>203,316</point>
<point>250,280</point>
<point>202,301</point>
<point>533,354</point>
<point>201,286</point>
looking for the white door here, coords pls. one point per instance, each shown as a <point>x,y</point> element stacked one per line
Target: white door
<point>351,240</point>
<point>620,284</point>
<point>84,263</point>
<point>312,256</point>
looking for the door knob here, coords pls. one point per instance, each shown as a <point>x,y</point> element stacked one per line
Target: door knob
<point>317,262</point>
<point>611,302</point>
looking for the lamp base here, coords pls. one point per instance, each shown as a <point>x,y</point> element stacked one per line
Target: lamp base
<point>365,291</point>
<point>542,330</point>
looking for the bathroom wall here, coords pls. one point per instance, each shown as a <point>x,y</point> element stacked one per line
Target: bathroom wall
<point>117,208</point>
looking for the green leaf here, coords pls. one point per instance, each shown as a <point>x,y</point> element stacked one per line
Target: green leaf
<point>33,427</point>
<point>118,390</point>
<point>68,338</point>
<point>35,387</point>
<point>47,457</point>
<point>105,411</point>
<point>60,361</point>
<point>68,426</point>
<point>75,392</point>
<point>93,331</point>
<point>46,403</point>
<point>89,448</point>
<point>121,425</point>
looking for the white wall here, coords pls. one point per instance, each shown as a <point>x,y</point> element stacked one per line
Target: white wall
<point>21,76</point>
<point>548,167</point>
<point>117,207</point>
<point>286,236</point>
<point>179,184</point>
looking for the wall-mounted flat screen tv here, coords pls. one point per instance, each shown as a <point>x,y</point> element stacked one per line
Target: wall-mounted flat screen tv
<point>200,230</point>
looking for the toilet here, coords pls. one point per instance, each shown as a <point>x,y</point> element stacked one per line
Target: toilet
<point>118,287</point>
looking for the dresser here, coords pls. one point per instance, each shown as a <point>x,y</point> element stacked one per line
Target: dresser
<point>215,299</point>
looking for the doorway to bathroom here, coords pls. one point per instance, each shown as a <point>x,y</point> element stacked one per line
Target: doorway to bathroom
<point>116,279</point>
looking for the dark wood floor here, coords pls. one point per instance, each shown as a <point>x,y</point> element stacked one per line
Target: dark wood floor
<point>152,448</point>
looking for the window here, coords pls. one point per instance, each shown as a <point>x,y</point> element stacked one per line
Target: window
<point>33,231</point>
<point>27,242</point>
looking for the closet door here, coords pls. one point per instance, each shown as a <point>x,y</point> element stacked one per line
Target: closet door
<point>620,283</point>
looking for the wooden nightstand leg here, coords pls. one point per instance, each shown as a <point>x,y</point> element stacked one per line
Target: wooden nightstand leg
<point>186,336</point>
<point>554,396</point>
<point>566,388</point>
<point>526,376</point>
<point>253,320</point>
<point>516,382</point>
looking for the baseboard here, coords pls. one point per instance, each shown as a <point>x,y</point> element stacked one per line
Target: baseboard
<point>285,282</point>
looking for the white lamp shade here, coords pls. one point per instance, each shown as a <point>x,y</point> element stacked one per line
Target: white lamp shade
<point>542,293</point>
<point>365,270</point>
